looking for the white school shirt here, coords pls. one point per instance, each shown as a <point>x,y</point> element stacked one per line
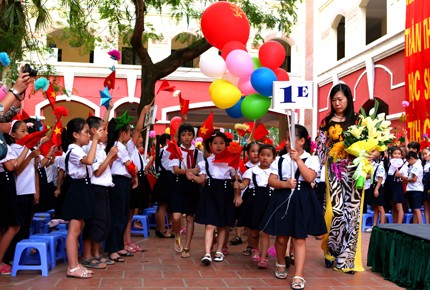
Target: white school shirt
<point>26,180</point>
<point>217,170</point>
<point>105,179</point>
<point>417,170</point>
<point>176,162</point>
<point>118,165</point>
<point>427,167</point>
<point>9,156</point>
<point>76,169</point>
<point>51,171</point>
<point>165,161</point>
<point>312,162</point>
<point>134,154</point>
<point>261,176</point>
<point>378,171</point>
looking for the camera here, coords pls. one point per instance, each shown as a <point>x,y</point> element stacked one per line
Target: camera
<point>29,70</point>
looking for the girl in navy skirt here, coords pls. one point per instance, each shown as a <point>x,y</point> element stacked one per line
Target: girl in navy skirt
<point>124,176</point>
<point>258,196</point>
<point>294,210</point>
<point>217,201</point>
<point>394,186</point>
<point>163,185</point>
<point>185,194</point>
<point>77,205</point>
<point>9,225</point>
<point>426,183</point>
<point>377,187</point>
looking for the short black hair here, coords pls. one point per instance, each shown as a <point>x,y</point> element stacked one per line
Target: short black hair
<point>414,145</point>
<point>411,154</point>
<point>209,140</point>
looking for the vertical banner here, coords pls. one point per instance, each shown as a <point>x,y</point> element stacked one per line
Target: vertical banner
<point>417,68</point>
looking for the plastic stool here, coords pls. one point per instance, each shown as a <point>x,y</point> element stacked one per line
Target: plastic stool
<point>39,225</point>
<point>45,215</point>
<point>57,245</point>
<point>408,218</point>
<point>367,221</point>
<point>145,225</point>
<point>389,217</point>
<point>24,261</point>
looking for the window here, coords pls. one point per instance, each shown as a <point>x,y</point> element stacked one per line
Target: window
<point>60,55</point>
<point>341,39</point>
<point>91,56</point>
<point>376,20</point>
<point>128,56</point>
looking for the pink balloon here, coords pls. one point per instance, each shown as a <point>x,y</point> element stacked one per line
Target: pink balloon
<point>230,46</point>
<point>245,86</point>
<point>3,91</point>
<point>281,74</point>
<point>271,54</point>
<point>240,63</point>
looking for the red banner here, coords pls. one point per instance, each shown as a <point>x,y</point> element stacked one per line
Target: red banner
<point>417,68</point>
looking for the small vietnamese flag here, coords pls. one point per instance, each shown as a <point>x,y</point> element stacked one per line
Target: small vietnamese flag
<point>260,132</point>
<point>183,104</point>
<point>207,129</point>
<point>110,81</point>
<point>50,94</point>
<point>56,133</point>
<point>165,86</point>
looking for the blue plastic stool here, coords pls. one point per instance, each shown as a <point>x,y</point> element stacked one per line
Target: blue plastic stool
<point>145,225</point>
<point>389,217</point>
<point>39,225</point>
<point>45,215</point>
<point>150,213</point>
<point>57,245</point>
<point>409,217</point>
<point>367,221</point>
<point>24,261</point>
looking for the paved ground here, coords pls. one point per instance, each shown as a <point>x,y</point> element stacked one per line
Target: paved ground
<point>160,268</point>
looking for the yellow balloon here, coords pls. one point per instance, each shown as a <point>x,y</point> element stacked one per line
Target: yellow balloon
<point>167,131</point>
<point>225,95</point>
<point>216,83</point>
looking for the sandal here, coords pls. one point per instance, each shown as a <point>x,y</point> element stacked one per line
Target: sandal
<point>206,260</point>
<point>263,264</point>
<point>116,257</point>
<point>6,270</point>
<point>125,254</point>
<point>255,255</point>
<point>186,253</point>
<point>129,248</point>
<point>247,251</point>
<point>280,275</point>
<point>136,247</point>
<point>178,246</point>
<point>78,272</point>
<point>298,285</point>
<point>225,251</point>
<point>85,269</point>
<point>107,261</point>
<point>236,241</point>
<point>93,263</point>
<point>219,257</point>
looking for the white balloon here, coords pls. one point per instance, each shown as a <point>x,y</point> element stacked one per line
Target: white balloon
<point>212,65</point>
<point>228,76</point>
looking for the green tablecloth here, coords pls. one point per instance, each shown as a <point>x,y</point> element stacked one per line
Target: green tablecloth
<point>402,254</point>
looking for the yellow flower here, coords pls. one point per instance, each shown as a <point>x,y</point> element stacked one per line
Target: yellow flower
<point>335,131</point>
<point>356,131</point>
<point>385,124</point>
<point>338,151</point>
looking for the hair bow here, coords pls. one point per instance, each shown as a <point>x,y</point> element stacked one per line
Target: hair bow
<point>123,121</point>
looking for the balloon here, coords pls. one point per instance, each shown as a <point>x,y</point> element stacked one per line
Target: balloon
<point>281,74</point>
<point>216,83</point>
<point>235,111</point>
<point>262,80</point>
<point>271,54</point>
<point>255,106</point>
<point>245,86</point>
<point>167,131</point>
<point>223,22</point>
<point>230,46</point>
<point>257,62</point>
<point>174,125</point>
<point>239,63</point>
<point>225,95</point>
<point>228,76</point>
<point>212,65</point>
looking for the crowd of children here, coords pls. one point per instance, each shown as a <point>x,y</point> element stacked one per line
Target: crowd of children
<point>100,181</point>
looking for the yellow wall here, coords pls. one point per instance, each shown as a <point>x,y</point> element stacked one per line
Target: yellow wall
<point>69,53</point>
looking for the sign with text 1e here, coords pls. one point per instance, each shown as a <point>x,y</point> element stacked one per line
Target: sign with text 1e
<point>150,116</point>
<point>292,95</point>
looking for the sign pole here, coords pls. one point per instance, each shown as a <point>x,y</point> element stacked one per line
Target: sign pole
<point>149,120</point>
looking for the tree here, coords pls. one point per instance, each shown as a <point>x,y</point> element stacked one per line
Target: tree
<point>128,17</point>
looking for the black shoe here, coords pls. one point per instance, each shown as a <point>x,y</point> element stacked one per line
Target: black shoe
<point>328,263</point>
<point>236,241</point>
<point>287,262</point>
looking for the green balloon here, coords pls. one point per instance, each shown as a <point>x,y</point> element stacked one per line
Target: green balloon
<point>255,106</point>
<point>256,61</point>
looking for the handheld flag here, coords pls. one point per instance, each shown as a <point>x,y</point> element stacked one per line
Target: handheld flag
<point>183,104</point>
<point>207,129</point>
<point>110,81</point>
<point>165,86</point>
<point>32,139</point>
<point>260,132</point>
<point>50,94</point>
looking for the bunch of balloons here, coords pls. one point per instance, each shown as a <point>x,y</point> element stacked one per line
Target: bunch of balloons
<point>244,84</point>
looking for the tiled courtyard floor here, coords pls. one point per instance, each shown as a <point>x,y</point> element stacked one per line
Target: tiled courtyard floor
<point>160,268</point>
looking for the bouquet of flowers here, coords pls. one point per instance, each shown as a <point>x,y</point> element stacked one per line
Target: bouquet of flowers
<point>371,133</point>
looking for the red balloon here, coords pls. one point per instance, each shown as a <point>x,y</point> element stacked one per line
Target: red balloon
<point>174,125</point>
<point>223,22</point>
<point>271,54</point>
<point>281,74</point>
<point>230,46</point>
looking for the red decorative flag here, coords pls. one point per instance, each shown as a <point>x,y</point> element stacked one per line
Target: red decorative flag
<point>50,94</point>
<point>183,104</point>
<point>32,139</point>
<point>281,146</point>
<point>260,132</point>
<point>207,129</point>
<point>25,115</point>
<point>231,155</point>
<point>56,133</point>
<point>110,81</point>
<point>165,86</point>
<point>175,152</point>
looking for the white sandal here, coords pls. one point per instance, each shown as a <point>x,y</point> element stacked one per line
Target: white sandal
<point>281,275</point>
<point>298,285</point>
<point>81,274</point>
<point>219,257</point>
<point>206,260</point>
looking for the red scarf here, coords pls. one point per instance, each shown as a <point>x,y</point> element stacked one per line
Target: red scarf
<point>190,157</point>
